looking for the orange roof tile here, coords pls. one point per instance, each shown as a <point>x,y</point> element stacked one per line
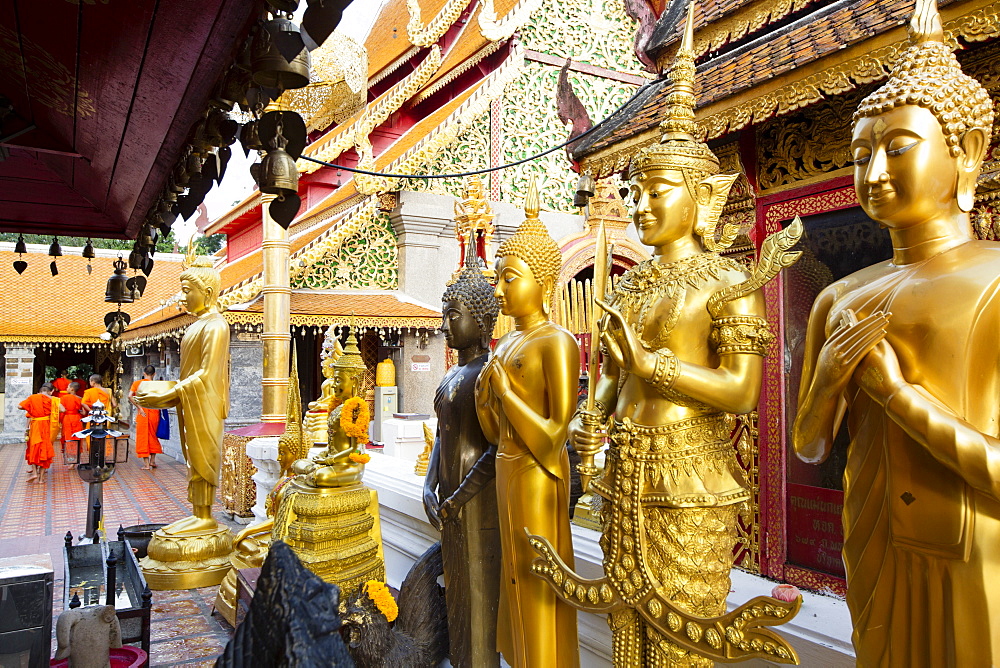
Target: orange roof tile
<point>389,41</point>
<point>365,308</point>
<point>70,306</point>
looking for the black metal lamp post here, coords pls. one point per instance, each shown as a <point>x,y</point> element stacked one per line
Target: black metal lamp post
<point>99,466</point>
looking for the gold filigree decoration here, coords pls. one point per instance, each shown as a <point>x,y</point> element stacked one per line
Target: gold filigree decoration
<point>255,319</point>
<point>338,84</point>
<point>425,35</point>
<point>330,148</point>
<point>809,143</point>
<point>495,29</point>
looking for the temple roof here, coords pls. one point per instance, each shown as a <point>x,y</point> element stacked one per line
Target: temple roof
<point>70,306</point>
<point>870,31</point>
<point>370,308</point>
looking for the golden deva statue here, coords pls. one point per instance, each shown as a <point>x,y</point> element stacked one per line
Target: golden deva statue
<point>685,336</point>
<point>905,347</point>
<point>525,397</point>
<point>315,422</point>
<point>194,551</point>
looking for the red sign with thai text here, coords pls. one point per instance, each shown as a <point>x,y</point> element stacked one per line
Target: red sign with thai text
<point>815,528</point>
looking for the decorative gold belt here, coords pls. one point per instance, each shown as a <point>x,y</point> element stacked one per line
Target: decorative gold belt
<point>690,437</point>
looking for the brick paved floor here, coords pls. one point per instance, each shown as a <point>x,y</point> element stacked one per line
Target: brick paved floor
<point>34,518</point>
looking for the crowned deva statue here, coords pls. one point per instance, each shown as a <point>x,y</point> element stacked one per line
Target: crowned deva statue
<point>460,494</point>
<point>194,551</point>
<point>525,397</point>
<point>685,337</point>
<point>905,347</point>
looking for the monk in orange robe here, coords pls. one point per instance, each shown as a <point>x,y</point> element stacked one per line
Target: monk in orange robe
<point>97,393</point>
<point>147,445</point>
<point>61,385</point>
<point>39,451</point>
<point>72,421</point>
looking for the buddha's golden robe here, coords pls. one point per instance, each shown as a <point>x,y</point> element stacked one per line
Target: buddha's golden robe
<point>203,398</point>
<point>922,484</point>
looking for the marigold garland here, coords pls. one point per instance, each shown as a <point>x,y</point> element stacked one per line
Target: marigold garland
<point>354,419</point>
<point>380,595</point>
<point>360,457</point>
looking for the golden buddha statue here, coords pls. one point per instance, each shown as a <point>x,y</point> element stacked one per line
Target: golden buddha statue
<point>194,551</point>
<point>525,397</point>
<point>315,422</point>
<point>324,513</point>
<point>685,336</point>
<point>904,347</point>
<point>334,466</point>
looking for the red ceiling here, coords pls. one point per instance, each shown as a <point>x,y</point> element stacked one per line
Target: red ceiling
<point>114,88</point>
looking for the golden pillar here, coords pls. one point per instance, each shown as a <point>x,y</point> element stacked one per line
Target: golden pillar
<point>277,336</point>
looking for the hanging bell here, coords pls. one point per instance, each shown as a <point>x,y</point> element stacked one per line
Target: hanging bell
<point>88,251</point>
<point>55,250</point>
<point>137,258</point>
<point>278,174</point>
<point>585,188</point>
<point>118,291</point>
<point>280,57</point>
<point>20,246</point>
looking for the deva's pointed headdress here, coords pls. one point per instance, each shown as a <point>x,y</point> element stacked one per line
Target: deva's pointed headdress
<point>679,147</point>
<point>928,75</point>
<point>472,289</point>
<point>351,359</point>
<point>532,243</point>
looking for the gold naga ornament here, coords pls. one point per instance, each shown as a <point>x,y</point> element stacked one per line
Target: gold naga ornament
<point>684,338</point>
<point>525,397</point>
<point>194,551</point>
<point>908,348</point>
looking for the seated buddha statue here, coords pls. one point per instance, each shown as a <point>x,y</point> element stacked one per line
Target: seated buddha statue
<point>319,410</point>
<point>333,466</point>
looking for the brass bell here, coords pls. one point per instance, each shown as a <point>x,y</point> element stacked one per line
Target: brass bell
<point>585,188</point>
<point>20,246</point>
<point>146,236</point>
<point>55,250</point>
<point>88,251</point>
<point>280,57</point>
<point>278,174</point>
<point>118,291</point>
<point>137,258</point>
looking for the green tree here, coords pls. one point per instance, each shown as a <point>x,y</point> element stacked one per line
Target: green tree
<point>209,245</point>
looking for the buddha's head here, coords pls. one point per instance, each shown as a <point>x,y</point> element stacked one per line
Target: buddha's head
<point>468,307</point>
<point>919,140</point>
<point>348,371</point>
<point>527,264</point>
<point>675,184</point>
<point>200,288</point>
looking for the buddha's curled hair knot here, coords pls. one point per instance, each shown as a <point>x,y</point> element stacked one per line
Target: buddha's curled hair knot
<point>203,277</point>
<point>532,243</point>
<point>472,289</point>
<point>928,75</point>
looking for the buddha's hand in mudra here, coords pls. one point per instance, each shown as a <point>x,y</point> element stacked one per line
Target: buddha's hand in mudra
<point>165,399</point>
<point>623,345</point>
<point>847,346</point>
<point>496,376</point>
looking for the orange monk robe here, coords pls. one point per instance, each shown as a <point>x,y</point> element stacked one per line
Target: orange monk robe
<point>71,419</point>
<point>39,451</point>
<point>146,421</point>
<point>94,394</point>
<point>61,385</point>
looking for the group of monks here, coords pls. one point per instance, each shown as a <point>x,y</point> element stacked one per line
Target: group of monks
<point>57,410</point>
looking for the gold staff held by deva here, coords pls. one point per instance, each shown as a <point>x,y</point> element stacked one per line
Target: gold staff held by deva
<point>908,348</point>
<point>684,337</point>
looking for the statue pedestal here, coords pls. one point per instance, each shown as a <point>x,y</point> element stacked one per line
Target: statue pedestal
<point>335,531</point>
<point>187,562</point>
<point>263,452</point>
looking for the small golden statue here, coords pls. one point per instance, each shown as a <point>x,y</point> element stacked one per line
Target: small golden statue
<point>324,513</point>
<point>316,418</point>
<point>525,397</point>
<point>905,346</point>
<point>424,458</point>
<point>194,552</point>
<point>684,337</point>
<point>474,221</point>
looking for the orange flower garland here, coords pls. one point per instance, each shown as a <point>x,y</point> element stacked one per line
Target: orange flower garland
<point>360,457</point>
<point>382,598</point>
<point>354,419</point>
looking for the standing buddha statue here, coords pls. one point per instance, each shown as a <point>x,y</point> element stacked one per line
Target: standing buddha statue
<point>905,347</point>
<point>525,397</point>
<point>460,495</point>
<point>194,551</point>
<point>685,336</point>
